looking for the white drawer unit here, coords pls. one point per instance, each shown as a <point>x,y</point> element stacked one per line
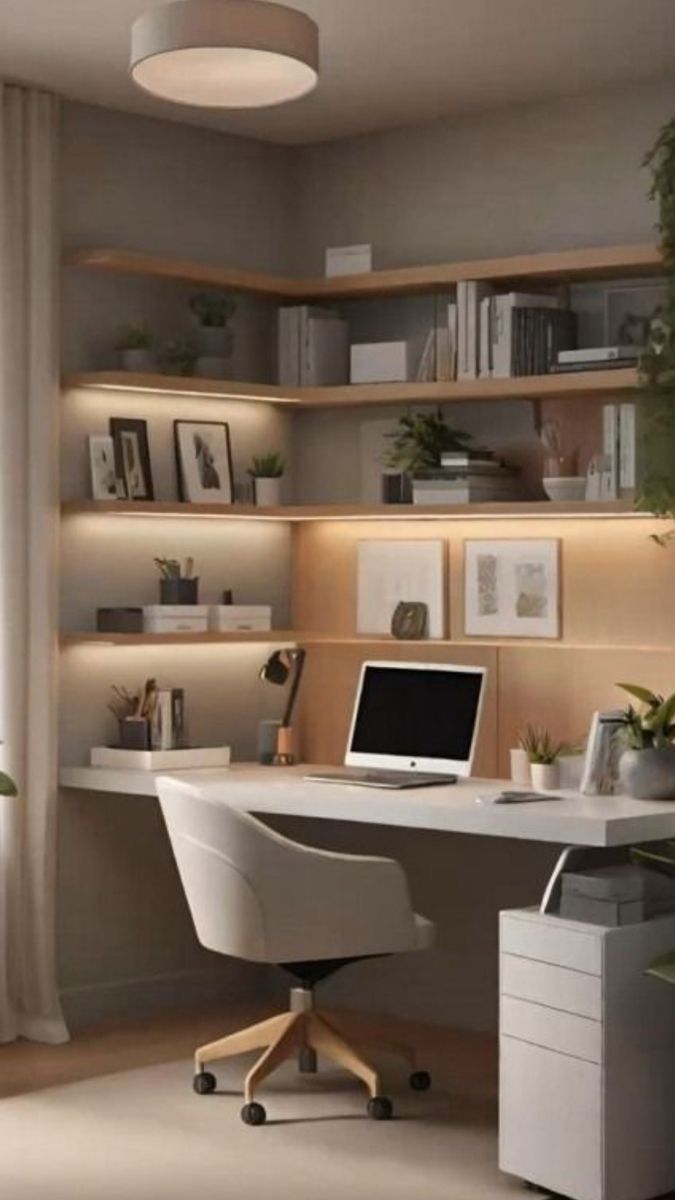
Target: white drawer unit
<point>587,1047</point>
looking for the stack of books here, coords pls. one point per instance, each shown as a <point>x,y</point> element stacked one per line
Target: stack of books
<point>520,333</point>
<point>466,478</point>
<point>439,357</point>
<point>313,347</point>
<point>596,358</point>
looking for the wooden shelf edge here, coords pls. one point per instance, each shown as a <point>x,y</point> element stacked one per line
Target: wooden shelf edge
<point>259,638</point>
<point>558,266</point>
<point>183,385</point>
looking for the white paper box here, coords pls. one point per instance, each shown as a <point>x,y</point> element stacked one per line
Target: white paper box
<point>380,362</point>
<point>175,618</point>
<point>348,260</point>
<point>233,618</point>
<point>160,760</point>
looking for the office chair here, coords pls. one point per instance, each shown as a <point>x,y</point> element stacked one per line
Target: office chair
<point>256,895</point>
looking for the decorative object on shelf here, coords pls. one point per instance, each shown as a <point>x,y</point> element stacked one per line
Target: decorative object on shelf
<point>212,310</point>
<point>559,463</point>
<point>102,468</point>
<point>511,588</point>
<point>312,347</point>
<point>380,362</point>
<point>203,461</point>
<point>240,618</point>
<point>600,479</point>
<point>133,712</point>
<point>392,571</point>
<point>281,665</point>
<point>520,766</point>
<point>239,54</point>
<point>630,313</point>
<point>134,345</point>
<point>175,618</point>
<point>177,585</point>
<point>348,260</point>
<point>565,489</point>
<point>150,719</point>
<point>542,755</point>
<point>132,457</point>
<point>119,620</point>
<point>647,764</point>
<point>410,622</point>
<point>419,442</point>
<point>600,771</point>
<point>179,357</point>
<point>266,472</point>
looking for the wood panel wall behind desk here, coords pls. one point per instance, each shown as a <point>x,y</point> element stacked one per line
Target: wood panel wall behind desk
<point>618,623</point>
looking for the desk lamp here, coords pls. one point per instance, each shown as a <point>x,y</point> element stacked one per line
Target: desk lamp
<point>279,666</point>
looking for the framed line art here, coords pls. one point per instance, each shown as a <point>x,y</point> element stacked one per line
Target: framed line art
<point>204,462</point>
<point>102,468</point>
<point>132,457</point>
<point>512,588</point>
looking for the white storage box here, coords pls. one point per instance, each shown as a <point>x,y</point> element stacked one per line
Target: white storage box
<point>160,760</point>
<point>349,260</point>
<point>380,362</point>
<point>242,618</point>
<point>175,618</point>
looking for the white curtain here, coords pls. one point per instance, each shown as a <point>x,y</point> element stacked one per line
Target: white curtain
<point>29,405</point>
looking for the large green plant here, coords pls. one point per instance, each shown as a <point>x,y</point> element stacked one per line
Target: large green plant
<point>657,365</point>
<point>650,726</point>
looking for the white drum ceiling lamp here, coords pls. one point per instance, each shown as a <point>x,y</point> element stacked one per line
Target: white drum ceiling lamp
<point>225,53</point>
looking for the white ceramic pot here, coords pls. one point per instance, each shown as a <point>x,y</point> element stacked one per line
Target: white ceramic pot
<point>520,767</point>
<point>214,341</point>
<point>211,367</point>
<point>648,774</point>
<point>267,492</point>
<point>140,361</point>
<point>545,776</point>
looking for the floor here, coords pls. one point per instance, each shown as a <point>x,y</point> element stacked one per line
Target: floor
<point>112,1117</point>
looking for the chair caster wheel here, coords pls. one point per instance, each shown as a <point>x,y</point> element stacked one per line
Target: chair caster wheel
<point>380,1109</point>
<point>420,1081</point>
<point>253,1114</point>
<point>204,1082</point>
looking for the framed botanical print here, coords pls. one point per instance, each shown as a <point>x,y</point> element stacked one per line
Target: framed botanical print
<point>512,588</point>
<point>204,462</point>
<point>132,457</point>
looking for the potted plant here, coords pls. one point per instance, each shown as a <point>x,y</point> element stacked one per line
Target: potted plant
<point>417,447</point>
<point>7,785</point>
<point>177,585</point>
<point>542,754</point>
<point>647,764</point>
<point>212,311</point>
<point>135,345</point>
<point>179,357</point>
<point>266,471</point>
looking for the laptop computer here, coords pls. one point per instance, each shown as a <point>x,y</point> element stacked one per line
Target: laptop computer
<point>413,725</point>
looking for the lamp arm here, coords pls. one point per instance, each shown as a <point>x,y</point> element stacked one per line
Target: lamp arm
<point>299,657</point>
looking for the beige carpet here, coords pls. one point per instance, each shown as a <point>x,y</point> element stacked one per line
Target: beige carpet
<point>144,1135</point>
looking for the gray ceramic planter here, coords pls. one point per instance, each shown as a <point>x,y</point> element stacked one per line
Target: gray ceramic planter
<point>648,774</point>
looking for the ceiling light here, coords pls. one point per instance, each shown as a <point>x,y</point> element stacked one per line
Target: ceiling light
<point>225,53</point>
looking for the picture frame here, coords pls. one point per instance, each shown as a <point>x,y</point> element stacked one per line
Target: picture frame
<point>132,457</point>
<point>629,312</point>
<point>102,468</point>
<point>392,571</point>
<point>204,462</point>
<point>512,588</point>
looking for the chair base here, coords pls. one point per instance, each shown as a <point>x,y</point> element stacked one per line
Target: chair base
<point>306,1032</point>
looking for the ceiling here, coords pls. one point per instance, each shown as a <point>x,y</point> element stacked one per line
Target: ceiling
<point>385,63</point>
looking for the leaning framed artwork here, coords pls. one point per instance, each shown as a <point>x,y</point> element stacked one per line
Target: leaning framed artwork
<point>512,588</point>
<point>204,462</point>
<point>132,457</point>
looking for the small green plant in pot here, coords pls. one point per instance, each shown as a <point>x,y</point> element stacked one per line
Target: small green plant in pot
<point>418,445</point>
<point>267,470</point>
<point>179,357</point>
<point>543,754</point>
<point>134,345</point>
<point>647,763</point>
<point>212,312</point>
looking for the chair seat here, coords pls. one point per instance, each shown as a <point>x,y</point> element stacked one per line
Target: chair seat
<point>425,933</point>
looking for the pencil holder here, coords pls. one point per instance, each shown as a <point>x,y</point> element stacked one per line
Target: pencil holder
<point>179,591</point>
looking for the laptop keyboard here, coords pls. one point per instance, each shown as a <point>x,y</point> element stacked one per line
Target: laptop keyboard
<point>383,779</point>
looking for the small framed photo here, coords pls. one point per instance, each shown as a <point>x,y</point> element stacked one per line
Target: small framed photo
<point>132,457</point>
<point>204,462</point>
<point>102,468</point>
<point>629,313</point>
<point>512,588</point>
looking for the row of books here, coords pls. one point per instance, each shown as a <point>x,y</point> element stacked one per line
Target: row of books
<point>313,347</point>
<point>620,449</point>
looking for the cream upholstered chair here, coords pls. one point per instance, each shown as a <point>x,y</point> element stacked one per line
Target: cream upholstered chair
<point>256,895</point>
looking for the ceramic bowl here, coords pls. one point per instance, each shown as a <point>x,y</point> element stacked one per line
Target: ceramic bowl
<point>564,488</point>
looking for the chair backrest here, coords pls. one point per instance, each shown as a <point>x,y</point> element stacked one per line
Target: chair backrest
<point>256,895</point>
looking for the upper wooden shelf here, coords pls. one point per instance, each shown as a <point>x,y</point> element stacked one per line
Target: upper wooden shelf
<point>240,638</point>
<point>576,383</point>
<point>563,266</point>
<point>541,509</point>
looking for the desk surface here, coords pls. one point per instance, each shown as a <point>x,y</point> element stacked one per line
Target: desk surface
<point>574,820</point>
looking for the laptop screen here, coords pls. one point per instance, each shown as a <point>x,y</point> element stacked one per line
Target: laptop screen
<point>422,714</point>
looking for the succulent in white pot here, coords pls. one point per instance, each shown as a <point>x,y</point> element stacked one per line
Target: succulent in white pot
<point>266,471</point>
<point>134,345</point>
<point>647,764</point>
<point>212,311</point>
<point>543,754</point>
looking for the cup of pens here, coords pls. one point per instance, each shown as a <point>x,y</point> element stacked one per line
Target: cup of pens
<point>177,585</point>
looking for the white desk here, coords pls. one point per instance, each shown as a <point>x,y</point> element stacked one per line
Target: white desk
<point>574,820</point>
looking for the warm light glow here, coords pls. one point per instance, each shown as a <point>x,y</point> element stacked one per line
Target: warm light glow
<point>227,78</point>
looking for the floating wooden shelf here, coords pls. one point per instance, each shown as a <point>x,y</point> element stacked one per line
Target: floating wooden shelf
<point>566,266</point>
<point>259,638</point>
<point>526,509</point>
<point>525,387</point>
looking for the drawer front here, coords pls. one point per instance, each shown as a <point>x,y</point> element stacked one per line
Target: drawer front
<point>555,987</point>
<point>550,1120</point>
<point>540,1026</point>
<point>546,942</point>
